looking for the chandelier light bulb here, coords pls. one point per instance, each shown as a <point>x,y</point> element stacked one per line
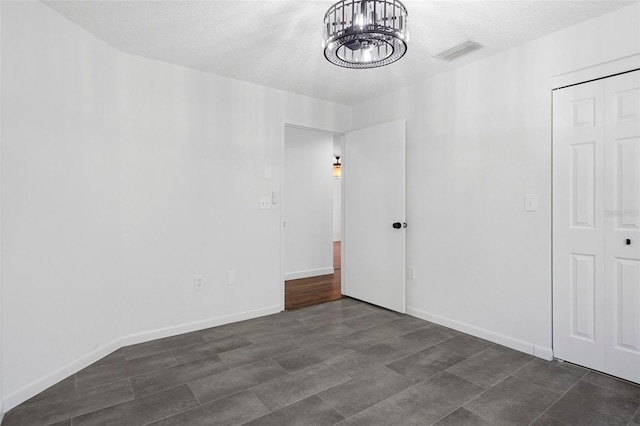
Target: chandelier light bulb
<point>366,55</point>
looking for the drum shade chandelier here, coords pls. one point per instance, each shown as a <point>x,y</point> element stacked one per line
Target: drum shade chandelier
<point>365,33</point>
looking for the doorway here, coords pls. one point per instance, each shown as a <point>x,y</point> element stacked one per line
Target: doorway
<point>311,218</point>
<point>372,267</point>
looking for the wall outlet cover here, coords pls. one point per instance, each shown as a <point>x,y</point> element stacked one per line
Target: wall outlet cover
<point>531,202</point>
<point>411,272</point>
<point>198,282</point>
<point>265,203</point>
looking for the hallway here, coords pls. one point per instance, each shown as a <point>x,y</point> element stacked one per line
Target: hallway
<point>315,290</point>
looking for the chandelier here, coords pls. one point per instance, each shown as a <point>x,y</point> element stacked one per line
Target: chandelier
<point>365,33</point>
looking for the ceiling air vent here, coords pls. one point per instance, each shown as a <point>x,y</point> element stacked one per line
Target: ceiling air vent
<point>459,50</point>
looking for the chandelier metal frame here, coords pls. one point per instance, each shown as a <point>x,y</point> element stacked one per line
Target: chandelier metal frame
<point>365,33</point>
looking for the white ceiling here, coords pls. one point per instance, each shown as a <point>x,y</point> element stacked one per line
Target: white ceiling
<point>278,43</point>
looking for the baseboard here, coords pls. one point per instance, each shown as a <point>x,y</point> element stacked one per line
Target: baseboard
<point>16,398</point>
<point>308,273</point>
<point>542,352</point>
<point>160,333</point>
<point>501,339</point>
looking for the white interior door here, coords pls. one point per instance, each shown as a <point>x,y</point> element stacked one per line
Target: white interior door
<point>374,199</point>
<point>578,214</point>
<point>596,234</point>
<point>622,226</point>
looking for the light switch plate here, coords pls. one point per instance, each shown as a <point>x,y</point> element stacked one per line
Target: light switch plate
<point>411,272</point>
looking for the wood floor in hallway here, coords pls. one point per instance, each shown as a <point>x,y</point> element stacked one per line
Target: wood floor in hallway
<point>315,290</point>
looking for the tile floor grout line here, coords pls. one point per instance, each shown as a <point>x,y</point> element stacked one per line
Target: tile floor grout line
<point>471,381</point>
<point>167,368</point>
<point>478,395</point>
<point>556,401</point>
<point>525,364</point>
<point>128,377</point>
<point>637,413</point>
<point>194,394</point>
<point>591,371</point>
<point>162,390</point>
<point>456,409</point>
<point>173,415</point>
<point>457,353</point>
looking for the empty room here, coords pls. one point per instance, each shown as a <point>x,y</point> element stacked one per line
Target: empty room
<point>291,212</point>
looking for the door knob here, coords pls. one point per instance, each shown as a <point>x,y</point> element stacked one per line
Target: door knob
<point>398,225</point>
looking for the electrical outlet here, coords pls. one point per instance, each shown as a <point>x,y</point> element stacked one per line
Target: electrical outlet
<point>530,203</point>
<point>265,203</point>
<point>198,282</point>
<point>411,272</point>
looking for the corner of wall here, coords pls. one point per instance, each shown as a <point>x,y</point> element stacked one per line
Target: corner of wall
<point>33,388</point>
<point>501,339</point>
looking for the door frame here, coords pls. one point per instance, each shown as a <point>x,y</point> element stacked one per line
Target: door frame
<point>583,75</point>
<point>282,197</point>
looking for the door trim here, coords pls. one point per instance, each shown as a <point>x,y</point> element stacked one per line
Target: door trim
<point>603,70</point>
<point>583,75</point>
<point>282,196</point>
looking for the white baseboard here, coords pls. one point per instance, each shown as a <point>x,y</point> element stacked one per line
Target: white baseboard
<point>18,397</point>
<point>160,333</point>
<point>542,352</point>
<point>308,273</point>
<point>510,342</point>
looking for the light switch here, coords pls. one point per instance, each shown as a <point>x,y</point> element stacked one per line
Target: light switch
<point>530,203</point>
<point>274,197</point>
<point>267,172</point>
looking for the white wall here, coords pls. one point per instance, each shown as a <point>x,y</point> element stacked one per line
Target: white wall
<point>60,186</point>
<point>337,210</point>
<point>478,140</point>
<point>122,177</point>
<point>308,203</point>
<point>337,193</point>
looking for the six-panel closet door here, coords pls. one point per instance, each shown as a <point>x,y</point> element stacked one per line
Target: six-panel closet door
<point>596,225</point>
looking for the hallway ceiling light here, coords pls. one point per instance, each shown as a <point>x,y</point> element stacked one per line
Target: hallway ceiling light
<point>337,167</point>
<point>365,33</point>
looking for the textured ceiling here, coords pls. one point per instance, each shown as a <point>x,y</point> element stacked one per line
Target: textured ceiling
<point>278,43</point>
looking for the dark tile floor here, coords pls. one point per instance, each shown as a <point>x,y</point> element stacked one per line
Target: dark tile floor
<point>344,362</point>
